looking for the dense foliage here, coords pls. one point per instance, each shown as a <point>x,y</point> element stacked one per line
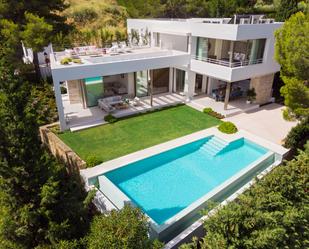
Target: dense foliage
<point>298,136</point>
<point>40,203</point>
<point>273,213</point>
<point>126,229</point>
<point>292,52</point>
<point>227,127</point>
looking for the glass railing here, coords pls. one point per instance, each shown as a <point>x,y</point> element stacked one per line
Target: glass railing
<point>226,63</point>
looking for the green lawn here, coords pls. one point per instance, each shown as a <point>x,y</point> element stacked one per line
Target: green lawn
<point>110,141</point>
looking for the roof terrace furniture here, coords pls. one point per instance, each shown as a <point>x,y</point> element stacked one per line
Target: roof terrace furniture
<point>107,104</point>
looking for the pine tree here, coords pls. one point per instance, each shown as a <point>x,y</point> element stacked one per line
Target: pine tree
<point>39,203</point>
<point>286,9</point>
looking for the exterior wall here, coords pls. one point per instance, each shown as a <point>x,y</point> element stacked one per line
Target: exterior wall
<point>263,88</point>
<point>74,91</point>
<point>167,59</point>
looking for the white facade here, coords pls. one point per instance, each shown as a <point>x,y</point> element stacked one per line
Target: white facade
<point>184,31</point>
<point>204,54</point>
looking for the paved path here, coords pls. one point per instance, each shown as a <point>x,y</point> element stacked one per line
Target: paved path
<point>266,122</point>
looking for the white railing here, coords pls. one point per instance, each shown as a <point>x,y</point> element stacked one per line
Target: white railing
<point>227,63</point>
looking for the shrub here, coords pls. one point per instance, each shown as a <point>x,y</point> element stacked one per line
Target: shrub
<point>65,61</point>
<point>227,127</point>
<point>92,161</point>
<point>78,61</point>
<point>110,118</point>
<point>63,90</point>
<point>126,228</point>
<point>84,15</point>
<point>55,129</point>
<point>212,113</point>
<point>298,136</point>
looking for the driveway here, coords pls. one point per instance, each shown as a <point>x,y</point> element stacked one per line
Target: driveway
<point>266,122</point>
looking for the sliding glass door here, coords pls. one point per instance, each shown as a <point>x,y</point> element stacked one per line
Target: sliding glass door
<point>141,79</point>
<point>160,80</point>
<point>180,80</point>
<point>93,90</point>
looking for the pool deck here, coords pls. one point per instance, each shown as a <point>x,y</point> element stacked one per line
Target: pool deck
<point>139,155</point>
<point>105,204</point>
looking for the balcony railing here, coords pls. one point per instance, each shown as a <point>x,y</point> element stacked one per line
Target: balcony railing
<point>226,63</point>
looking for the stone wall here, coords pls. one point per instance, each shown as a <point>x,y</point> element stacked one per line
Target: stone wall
<point>59,149</point>
<point>263,88</point>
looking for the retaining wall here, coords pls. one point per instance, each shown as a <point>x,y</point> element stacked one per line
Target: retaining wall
<point>59,149</point>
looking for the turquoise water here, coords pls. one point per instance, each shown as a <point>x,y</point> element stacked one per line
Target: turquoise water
<point>165,184</point>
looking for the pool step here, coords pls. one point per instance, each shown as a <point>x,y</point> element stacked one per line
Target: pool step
<point>214,145</point>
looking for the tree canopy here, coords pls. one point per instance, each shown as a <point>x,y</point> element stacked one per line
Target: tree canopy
<point>292,53</point>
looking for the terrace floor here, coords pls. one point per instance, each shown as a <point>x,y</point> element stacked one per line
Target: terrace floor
<point>234,107</point>
<point>266,122</point>
<point>79,118</point>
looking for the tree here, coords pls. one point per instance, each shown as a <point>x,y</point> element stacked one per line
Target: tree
<point>15,10</point>
<point>286,9</point>
<point>36,34</point>
<point>40,204</point>
<point>292,53</point>
<point>126,229</point>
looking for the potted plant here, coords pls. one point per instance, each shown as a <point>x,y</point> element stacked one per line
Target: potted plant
<point>251,95</point>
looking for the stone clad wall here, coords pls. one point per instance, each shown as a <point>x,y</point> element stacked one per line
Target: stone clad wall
<point>60,150</point>
<point>263,88</point>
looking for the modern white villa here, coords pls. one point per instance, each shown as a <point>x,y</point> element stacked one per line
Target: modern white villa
<point>205,62</point>
<point>201,62</point>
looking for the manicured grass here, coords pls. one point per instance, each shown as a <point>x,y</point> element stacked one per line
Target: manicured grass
<point>110,141</point>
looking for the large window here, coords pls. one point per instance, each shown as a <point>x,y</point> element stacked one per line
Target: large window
<point>160,80</point>
<point>257,48</point>
<point>141,79</point>
<point>180,80</point>
<point>93,90</point>
<point>230,53</point>
<point>202,48</point>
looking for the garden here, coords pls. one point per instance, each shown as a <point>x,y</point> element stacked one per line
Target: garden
<point>131,134</point>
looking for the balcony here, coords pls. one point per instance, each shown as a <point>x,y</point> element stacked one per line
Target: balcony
<point>227,63</point>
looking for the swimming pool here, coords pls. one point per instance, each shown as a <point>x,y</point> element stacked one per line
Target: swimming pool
<point>170,185</point>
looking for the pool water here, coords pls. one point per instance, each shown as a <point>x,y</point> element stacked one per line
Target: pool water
<point>165,184</point>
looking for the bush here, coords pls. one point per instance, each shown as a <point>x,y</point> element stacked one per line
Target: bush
<point>78,61</point>
<point>298,136</point>
<point>126,228</point>
<point>228,128</point>
<point>110,118</point>
<point>92,161</point>
<point>63,90</point>
<point>211,112</point>
<point>65,61</point>
<point>84,15</point>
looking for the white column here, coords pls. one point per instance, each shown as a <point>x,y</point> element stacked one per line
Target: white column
<point>189,84</point>
<point>63,125</point>
<point>131,87</point>
<point>153,41</point>
<point>227,95</point>
<point>171,80</point>
<point>189,44</point>
<point>204,81</point>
